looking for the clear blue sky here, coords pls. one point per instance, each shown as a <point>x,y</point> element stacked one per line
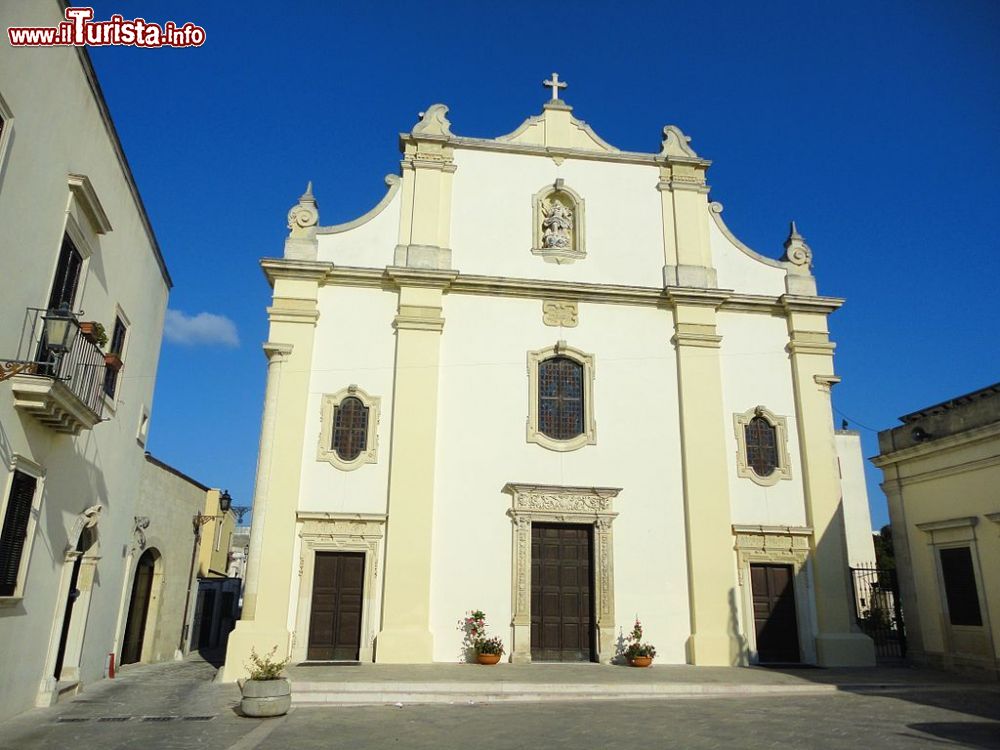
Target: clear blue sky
<point>873,124</point>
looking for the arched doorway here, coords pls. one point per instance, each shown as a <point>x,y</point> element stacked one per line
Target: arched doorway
<point>139,608</point>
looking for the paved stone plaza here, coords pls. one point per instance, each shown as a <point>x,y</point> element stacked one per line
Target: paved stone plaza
<point>176,705</point>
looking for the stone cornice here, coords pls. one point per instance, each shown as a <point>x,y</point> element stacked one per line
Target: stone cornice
<point>950,523</point>
<point>626,157</point>
<point>617,294</point>
<point>420,277</point>
<point>800,303</point>
<point>284,268</point>
<point>938,445</point>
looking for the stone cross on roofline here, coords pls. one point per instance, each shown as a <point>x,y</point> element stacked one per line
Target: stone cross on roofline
<point>555,84</point>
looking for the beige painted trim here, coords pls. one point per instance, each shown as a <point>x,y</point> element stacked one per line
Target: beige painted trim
<point>715,211</point>
<point>392,182</point>
<point>571,505</point>
<point>776,545</point>
<point>556,255</point>
<point>950,524</point>
<point>589,434</point>
<point>954,534</point>
<point>325,451</point>
<point>86,197</point>
<point>26,466</point>
<point>333,532</point>
<point>784,468</point>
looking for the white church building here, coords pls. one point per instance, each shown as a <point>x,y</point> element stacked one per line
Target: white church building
<point>543,379</point>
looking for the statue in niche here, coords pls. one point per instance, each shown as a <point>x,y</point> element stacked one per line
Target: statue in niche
<point>557,225</point>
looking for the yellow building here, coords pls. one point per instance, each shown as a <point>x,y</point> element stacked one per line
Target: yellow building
<point>543,342</point>
<point>216,536</point>
<point>942,470</point>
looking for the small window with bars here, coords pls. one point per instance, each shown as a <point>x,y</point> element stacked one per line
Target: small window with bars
<point>14,533</point>
<point>350,428</point>
<point>113,357</point>
<point>762,446</point>
<point>560,398</point>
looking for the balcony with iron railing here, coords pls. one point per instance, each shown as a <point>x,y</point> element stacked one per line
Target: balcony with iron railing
<point>58,374</point>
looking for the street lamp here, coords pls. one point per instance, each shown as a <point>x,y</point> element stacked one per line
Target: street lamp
<point>225,501</point>
<point>60,329</point>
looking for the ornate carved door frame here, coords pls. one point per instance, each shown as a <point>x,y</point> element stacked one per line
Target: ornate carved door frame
<point>572,505</point>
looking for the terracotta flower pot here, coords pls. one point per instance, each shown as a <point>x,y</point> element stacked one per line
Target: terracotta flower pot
<point>640,661</point>
<point>487,658</point>
<point>262,698</point>
<point>113,361</point>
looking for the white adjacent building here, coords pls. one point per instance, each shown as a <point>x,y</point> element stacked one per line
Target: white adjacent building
<point>542,378</point>
<point>76,249</point>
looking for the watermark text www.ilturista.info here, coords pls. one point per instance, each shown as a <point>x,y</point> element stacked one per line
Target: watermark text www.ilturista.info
<point>80,30</point>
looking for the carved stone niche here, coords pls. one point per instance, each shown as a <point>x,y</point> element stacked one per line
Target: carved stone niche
<point>558,224</point>
<point>575,505</point>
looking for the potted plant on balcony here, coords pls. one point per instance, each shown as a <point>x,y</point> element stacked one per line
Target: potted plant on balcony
<point>487,650</point>
<point>114,361</point>
<point>266,693</point>
<point>637,653</point>
<point>95,332</point>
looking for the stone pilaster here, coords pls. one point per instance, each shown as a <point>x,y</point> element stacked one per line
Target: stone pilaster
<point>711,575</point>
<point>838,642</point>
<point>405,636</point>
<point>687,254</point>
<point>428,170</point>
<point>293,317</point>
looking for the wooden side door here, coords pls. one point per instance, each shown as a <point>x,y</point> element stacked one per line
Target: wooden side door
<point>135,626</point>
<point>335,618</point>
<point>774,615</point>
<point>562,602</point>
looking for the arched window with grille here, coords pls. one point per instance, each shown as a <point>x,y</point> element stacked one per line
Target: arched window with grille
<point>350,428</point>
<point>762,453</point>
<point>560,398</point>
<point>349,434</point>
<point>560,410</point>
<point>762,446</point>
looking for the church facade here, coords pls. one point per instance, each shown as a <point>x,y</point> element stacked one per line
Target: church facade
<point>542,378</point>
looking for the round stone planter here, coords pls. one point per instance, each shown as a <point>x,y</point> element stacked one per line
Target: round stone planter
<point>487,658</point>
<point>640,661</point>
<point>262,698</point>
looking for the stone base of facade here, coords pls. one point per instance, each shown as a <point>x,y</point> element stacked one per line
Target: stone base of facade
<point>246,636</point>
<point>404,647</point>
<point>713,650</point>
<point>845,650</point>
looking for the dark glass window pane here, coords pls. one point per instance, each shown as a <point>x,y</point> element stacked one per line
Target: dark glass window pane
<point>762,446</point>
<point>960,586</point>
<point>15,530</point>
<point>560,398</point>
<point>350,428</point>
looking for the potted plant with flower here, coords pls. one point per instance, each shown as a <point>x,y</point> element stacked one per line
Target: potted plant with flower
<point>488,650</point>
<point>266,692</point>
<point>637,653</point>
<point>95,332</point>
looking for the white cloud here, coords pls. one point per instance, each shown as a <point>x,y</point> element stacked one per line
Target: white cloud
<point>203,328</point>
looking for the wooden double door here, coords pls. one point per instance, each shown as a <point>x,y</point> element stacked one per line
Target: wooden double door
<point>562,593</point>
<point>335,619</point>
<point>775,621</point>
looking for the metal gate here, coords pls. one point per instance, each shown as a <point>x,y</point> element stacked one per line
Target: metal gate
<point>876,606</point>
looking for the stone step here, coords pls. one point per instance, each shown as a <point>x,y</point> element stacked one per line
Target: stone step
<point>309,693</point>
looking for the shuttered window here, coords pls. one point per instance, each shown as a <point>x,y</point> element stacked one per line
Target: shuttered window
<point>116,346</point>
<point>67,276</point>
<point>14,535</point>
<point>560,398</point>
<point>762,446</point>
<point>350,428</point>
<point>960,586</point>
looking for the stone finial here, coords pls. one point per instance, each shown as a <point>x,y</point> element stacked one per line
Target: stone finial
<point>797,252</point>
<point>555,84</point>
<point>304,216</point>
<point>675,143</point>
<point>433,122</point>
